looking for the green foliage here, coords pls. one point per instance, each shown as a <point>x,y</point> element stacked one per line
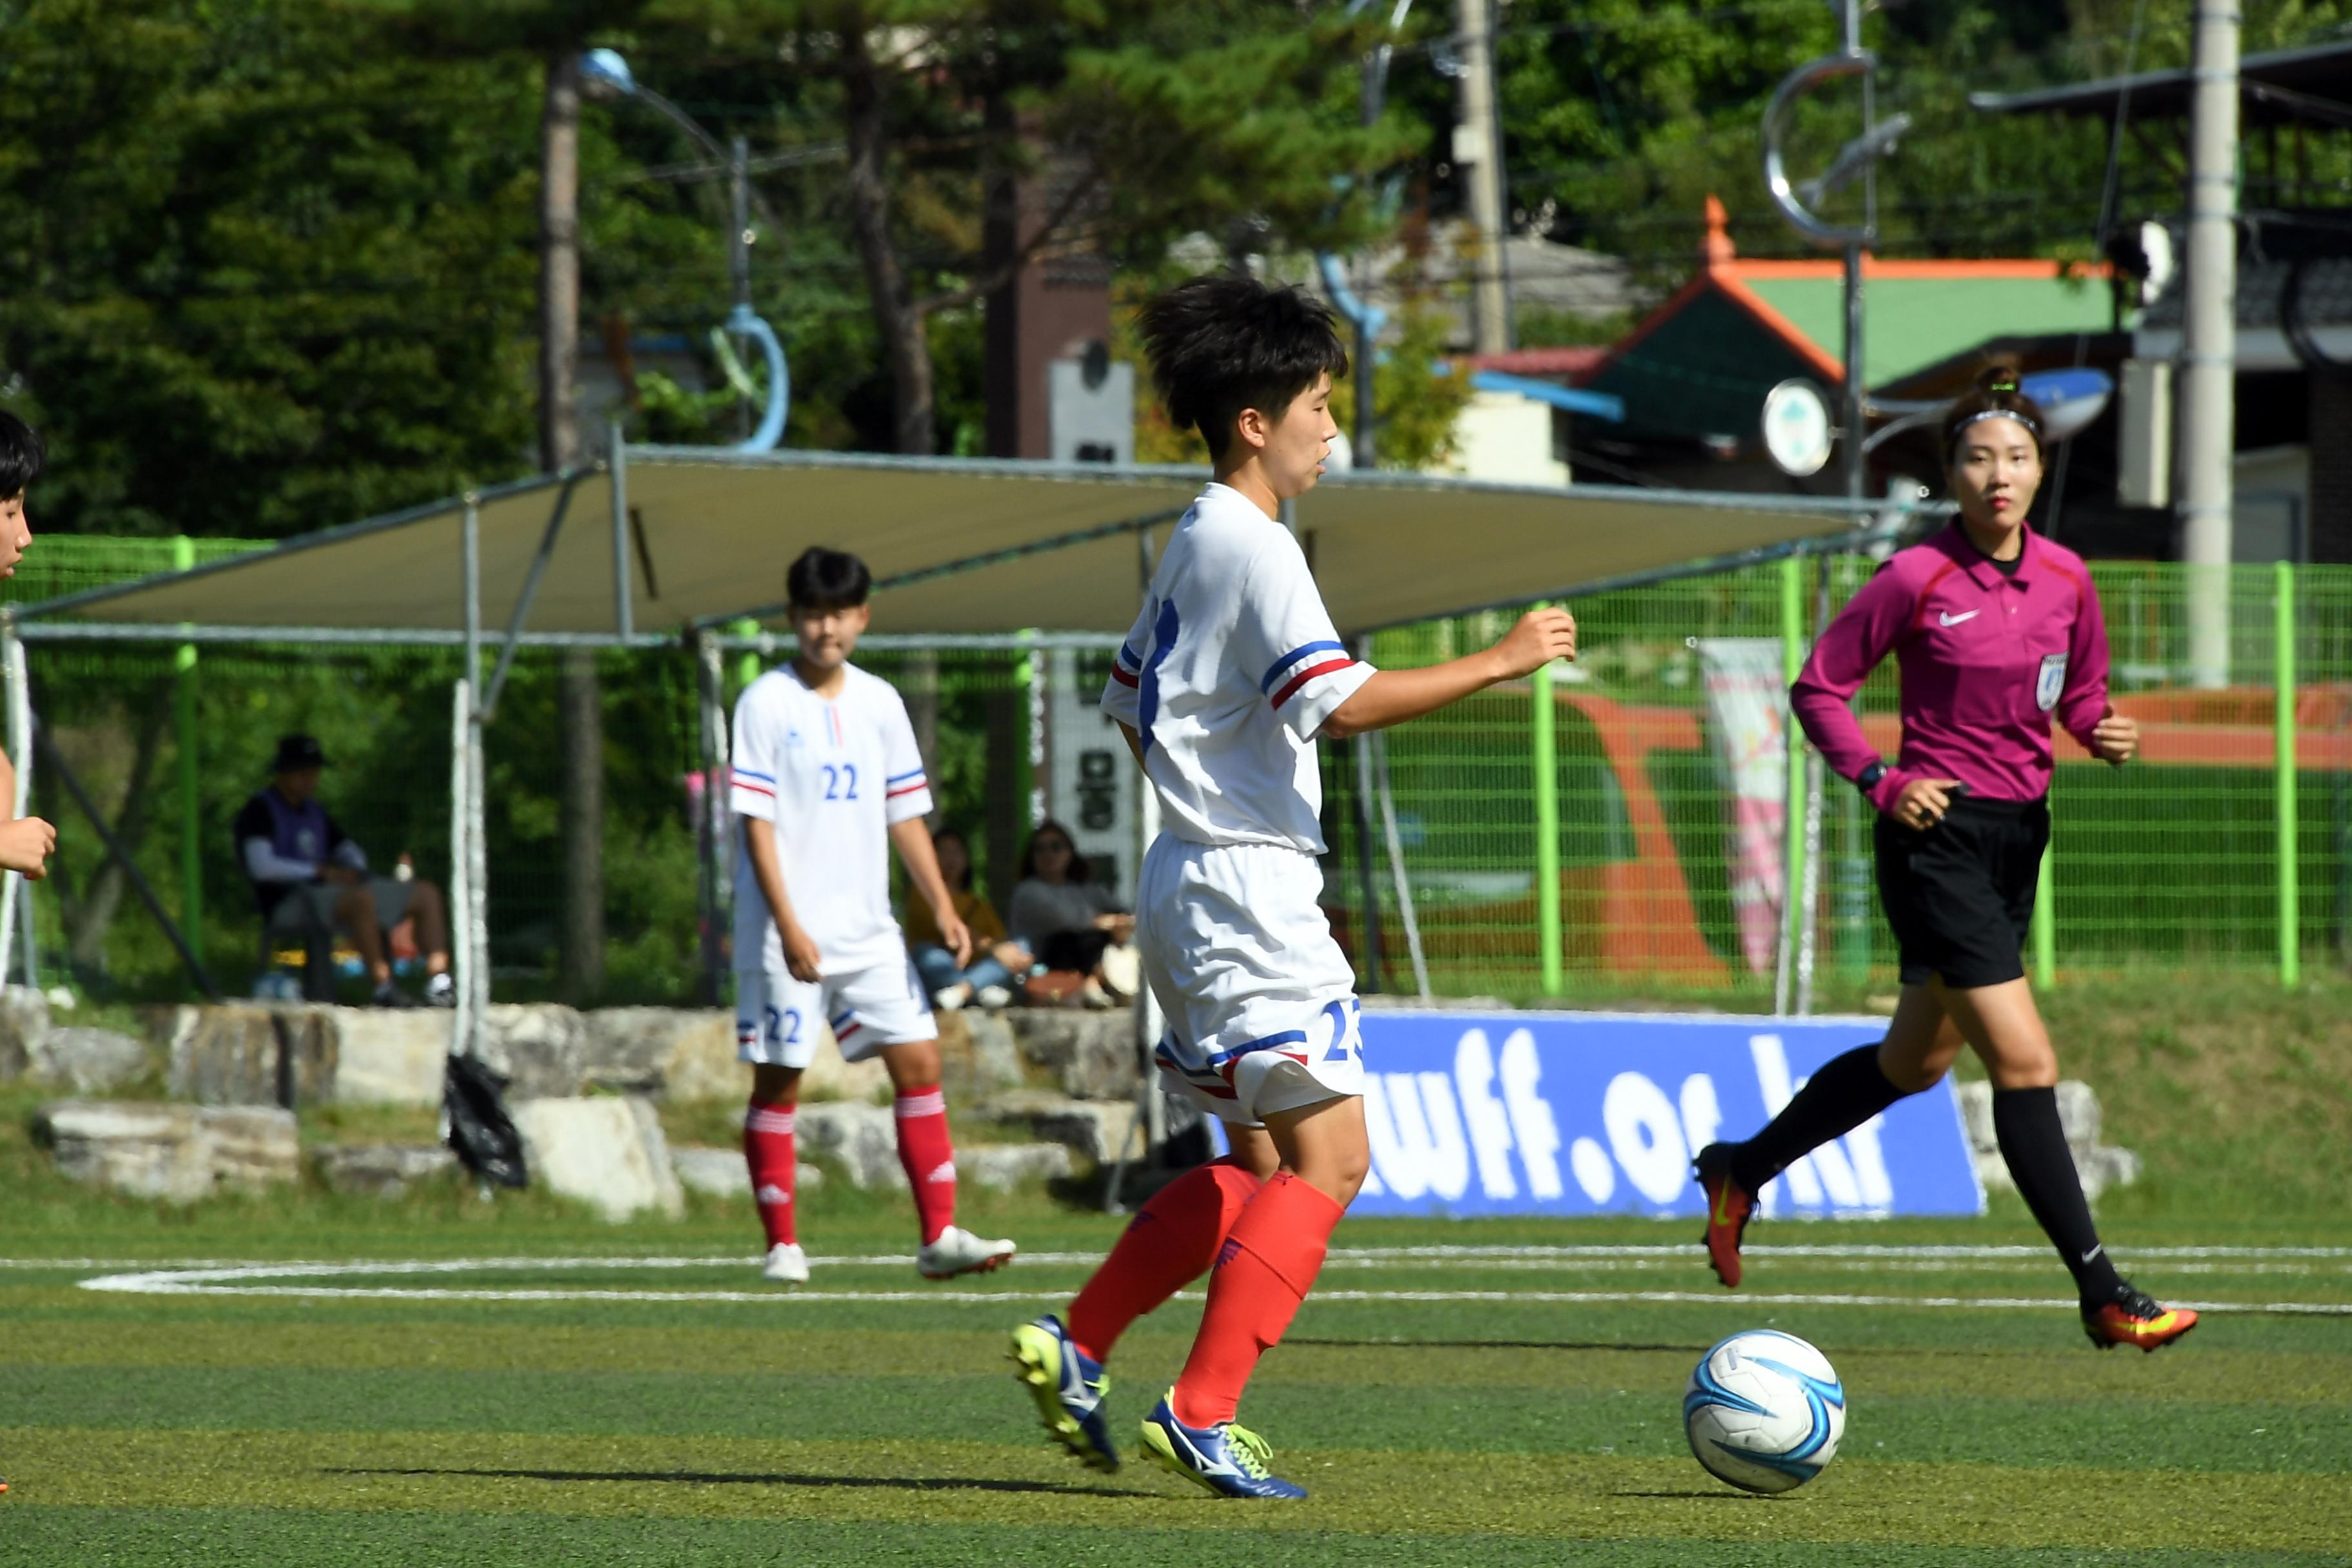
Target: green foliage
<point>258,276</point>
<point>1621,116</point>
<point>1417,395</point>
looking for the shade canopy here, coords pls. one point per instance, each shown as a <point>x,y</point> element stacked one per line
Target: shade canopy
<point>956,546</point>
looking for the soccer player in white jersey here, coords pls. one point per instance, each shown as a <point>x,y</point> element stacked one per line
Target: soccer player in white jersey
<point>1232,670</point>
<point>826,778</point>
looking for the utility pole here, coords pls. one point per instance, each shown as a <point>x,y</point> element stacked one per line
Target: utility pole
<point>2209,341</point>
<point>579,702</point>
<point>1477,149</point>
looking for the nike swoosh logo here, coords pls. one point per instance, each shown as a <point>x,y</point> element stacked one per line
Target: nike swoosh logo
<point>1952,620</point>
<point>2094,1252</point>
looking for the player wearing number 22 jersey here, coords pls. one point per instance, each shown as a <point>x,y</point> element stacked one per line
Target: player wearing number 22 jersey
<point>826,777</point>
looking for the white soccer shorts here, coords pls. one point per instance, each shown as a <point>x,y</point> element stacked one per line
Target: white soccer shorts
<point>1261,1003</point>
<point>776,1017</point>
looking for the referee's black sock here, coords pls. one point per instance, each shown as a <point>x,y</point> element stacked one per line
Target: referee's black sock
<point>1846,1093</point>
<point>2033,1142</point>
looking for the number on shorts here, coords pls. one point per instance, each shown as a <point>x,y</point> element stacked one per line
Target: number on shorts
<point>1342,1042</point>
<point>784,1028</point>
<point>841,784</point>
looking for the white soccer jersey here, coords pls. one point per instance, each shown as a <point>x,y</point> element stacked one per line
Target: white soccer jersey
<point>832,776</point>
<point>1231,669</point>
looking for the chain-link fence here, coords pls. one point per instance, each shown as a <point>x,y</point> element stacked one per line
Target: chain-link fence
<point>1662,876</point>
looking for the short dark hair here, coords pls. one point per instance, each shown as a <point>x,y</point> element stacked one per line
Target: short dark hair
<point>833,579</point>
<point>21,456</point>
<point>1999,391</point>
<point>1220,345</point>
<point>1079,870</point>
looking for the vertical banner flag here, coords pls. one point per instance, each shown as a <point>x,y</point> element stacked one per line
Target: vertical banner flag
<point>1588,1113</point>
<point>1747,714</point>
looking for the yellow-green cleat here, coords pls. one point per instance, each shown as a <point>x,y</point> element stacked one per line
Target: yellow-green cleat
<point>1069,1387</point>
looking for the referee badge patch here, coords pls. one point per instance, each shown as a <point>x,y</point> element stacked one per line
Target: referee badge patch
<point>2051,682</point>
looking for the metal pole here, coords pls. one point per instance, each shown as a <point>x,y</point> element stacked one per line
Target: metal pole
<point>2208,341</point>
<point>184,715</point>
<point>1809,905</point>
<point>739,251</point>
<point>461,879</point>
<point>20,751</point>
<point>710,722</point>
<point>1368,895</point>
<point>1792,827</point>
<point>624,611</point>
<point>747,667</point>
<point>477,979</point>
<point>1474,145</point>
<point>2290,890</point>
<point>1033,676</point>
<point>1543,744</point>
<point>1396,866</point>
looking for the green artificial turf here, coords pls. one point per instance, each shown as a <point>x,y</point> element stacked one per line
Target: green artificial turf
<point>609,1411</point>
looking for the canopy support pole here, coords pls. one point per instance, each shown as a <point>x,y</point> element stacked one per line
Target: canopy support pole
<point>475,981</point>
<point>623,612</point>
<point>20,751</point>
<point>461,881</point>
<point>1151,1112</point>
<point>523,602</point>
<point>711,734</point>
<point>1367,889</point>
<point>1396,866</point>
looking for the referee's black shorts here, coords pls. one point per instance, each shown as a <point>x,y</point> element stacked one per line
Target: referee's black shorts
<point>1960,894</point>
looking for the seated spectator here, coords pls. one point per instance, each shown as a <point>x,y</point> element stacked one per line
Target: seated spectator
<point>311,879</point>
<point>1067,918</point>
<point>996,964</point>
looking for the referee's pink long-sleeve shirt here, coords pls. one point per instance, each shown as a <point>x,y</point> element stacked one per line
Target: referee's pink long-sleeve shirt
<point>1986,661</point>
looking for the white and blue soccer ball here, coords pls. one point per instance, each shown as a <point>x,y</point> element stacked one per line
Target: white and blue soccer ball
<point>1764,1411</point>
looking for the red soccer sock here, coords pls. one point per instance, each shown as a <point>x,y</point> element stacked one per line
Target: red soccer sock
<point>1169,1242</point>
<point>929,1156</point>
<point>1264,1270</point>
<point>768,1151</point>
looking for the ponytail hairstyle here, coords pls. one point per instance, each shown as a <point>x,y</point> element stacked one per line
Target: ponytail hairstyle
<point>1996,395</point>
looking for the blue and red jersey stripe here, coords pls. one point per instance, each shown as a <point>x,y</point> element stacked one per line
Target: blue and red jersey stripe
<point>1301,665</point>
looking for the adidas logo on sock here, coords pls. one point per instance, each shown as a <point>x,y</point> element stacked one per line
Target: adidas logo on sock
<point>772,1195</point>
<point>946,1173</point>
<point>1227,1253</point>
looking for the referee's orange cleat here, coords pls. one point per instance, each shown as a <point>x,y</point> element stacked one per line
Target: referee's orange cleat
<point>1728,1204</point>
<point>2133,1317</point>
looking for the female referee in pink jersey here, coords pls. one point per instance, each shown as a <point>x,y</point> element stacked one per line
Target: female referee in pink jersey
<point>1997,631</point>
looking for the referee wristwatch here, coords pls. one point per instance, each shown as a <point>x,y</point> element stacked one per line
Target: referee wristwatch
<point>1867,780</point>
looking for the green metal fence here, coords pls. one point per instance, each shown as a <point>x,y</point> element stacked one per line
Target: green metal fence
<point>1570,835</point>
<point>2192,855</point>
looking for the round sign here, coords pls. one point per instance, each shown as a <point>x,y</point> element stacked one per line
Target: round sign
<point>1797,430</point>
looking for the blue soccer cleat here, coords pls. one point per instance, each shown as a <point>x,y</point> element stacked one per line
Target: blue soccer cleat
<point>1231,1461</point>
<point>1069,1387</point>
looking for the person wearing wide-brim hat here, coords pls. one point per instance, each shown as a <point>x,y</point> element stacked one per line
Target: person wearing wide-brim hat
<point>310,877</point>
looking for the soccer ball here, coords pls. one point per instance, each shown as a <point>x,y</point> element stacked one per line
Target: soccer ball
<point>1764,1411</point>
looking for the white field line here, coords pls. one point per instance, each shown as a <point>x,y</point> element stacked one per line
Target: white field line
<point>234,1281</point>
<point>1345,1257</point>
